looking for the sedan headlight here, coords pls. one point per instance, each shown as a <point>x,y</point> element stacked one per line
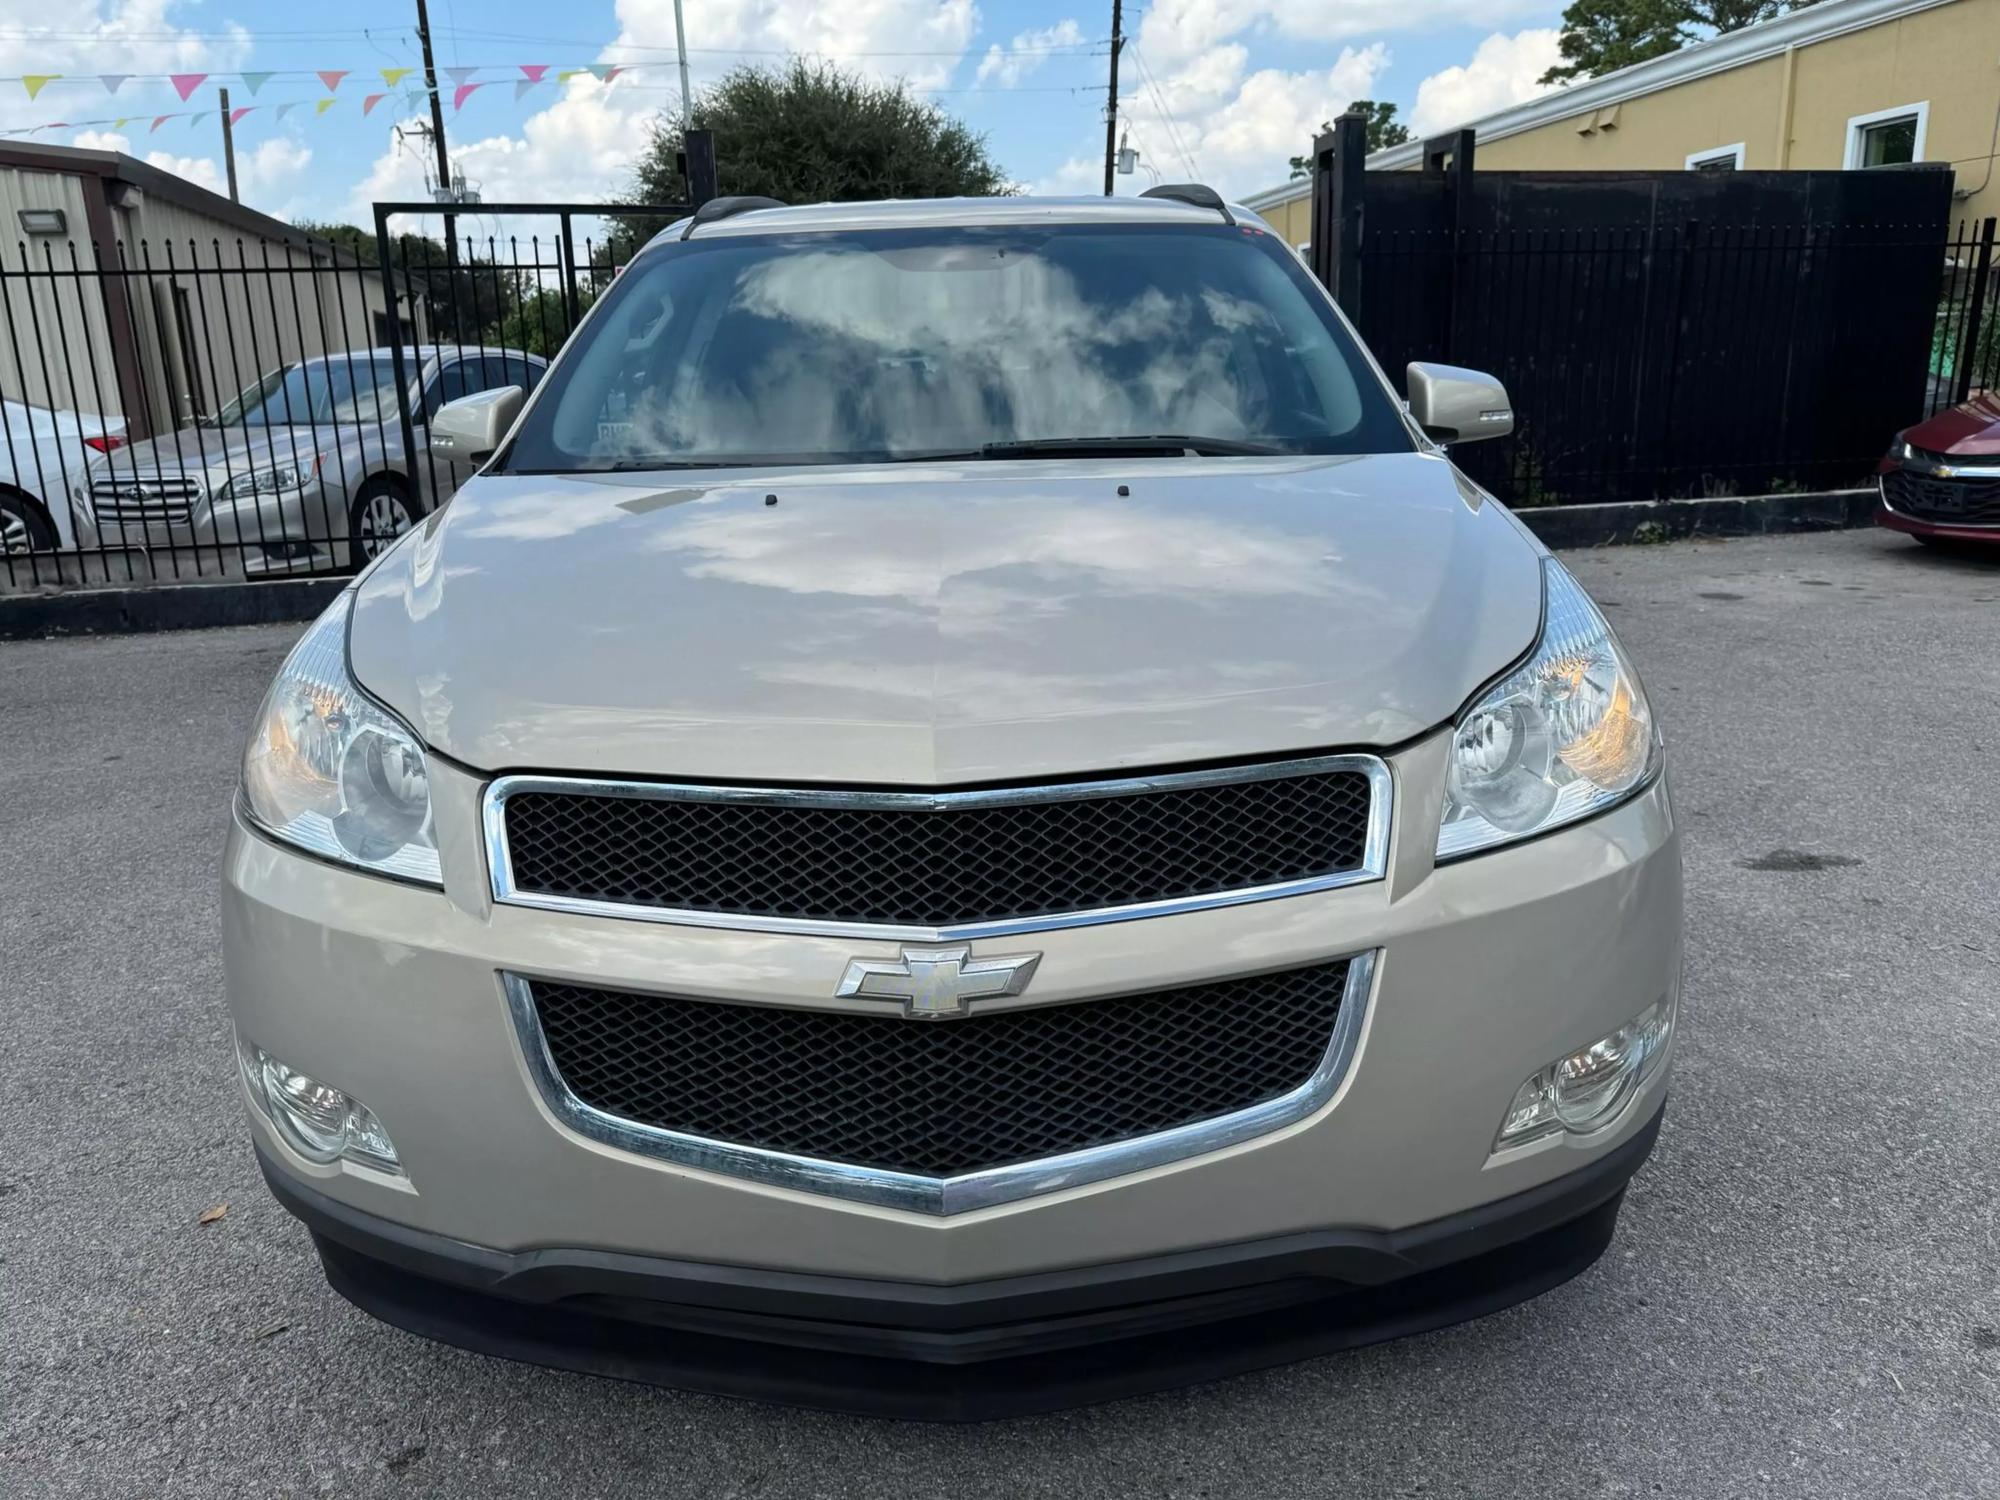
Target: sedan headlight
<point>333,773</point>
<point>1562,737</point>
<point>271,481</point>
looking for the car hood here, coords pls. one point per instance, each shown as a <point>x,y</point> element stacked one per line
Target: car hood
<point>217,452</point>
<point>1967,431</point>
<point>945,624</point>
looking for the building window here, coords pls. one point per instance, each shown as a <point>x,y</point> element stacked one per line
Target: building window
<point>1888,137</point>
<point>1717,159</point>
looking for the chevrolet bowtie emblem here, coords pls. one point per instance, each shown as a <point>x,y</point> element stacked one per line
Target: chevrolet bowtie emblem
<point>934,984</point>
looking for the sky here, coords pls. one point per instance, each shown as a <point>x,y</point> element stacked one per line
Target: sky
<point>1217,91</point>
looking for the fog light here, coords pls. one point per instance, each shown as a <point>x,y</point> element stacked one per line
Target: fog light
<point>315,1119</point>
<point>1586,1090</point>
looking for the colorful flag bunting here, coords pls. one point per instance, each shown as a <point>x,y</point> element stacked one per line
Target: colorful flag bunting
<point>522,85</point>
<point>112,80</point>
<point>459,75</point>
<point>331,78</point>
<point>195,119</point>
<point>464,92</point>
<point>604,72</point>
<point>283,109</point>
<point>158,121</point>
<point>121,122</point>
<point>394,76</point>
<point>186,83</point>
<point>567,74</point>
<point>237,114</point>
<point>323,106</point>
<point>534,71</point>
<point>255,81</point>
<point>374,99</point>
<point>34,83</point>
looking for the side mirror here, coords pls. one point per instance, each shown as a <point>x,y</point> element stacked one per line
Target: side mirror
<point>1458,406</point>
<point>469,429</point>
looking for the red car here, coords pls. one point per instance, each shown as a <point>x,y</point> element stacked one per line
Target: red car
<point>1941,479</point>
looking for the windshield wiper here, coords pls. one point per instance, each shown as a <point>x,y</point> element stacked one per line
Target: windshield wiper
<point>1122,447</point>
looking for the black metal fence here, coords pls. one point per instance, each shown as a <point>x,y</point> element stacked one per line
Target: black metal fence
<point>1664,333</point>
<point>188,409</point>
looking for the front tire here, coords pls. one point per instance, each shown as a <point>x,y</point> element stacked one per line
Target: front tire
<point>381,511</point>
<point>24,527</point>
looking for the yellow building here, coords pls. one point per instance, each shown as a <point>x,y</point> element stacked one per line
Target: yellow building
<point>1844,83</point>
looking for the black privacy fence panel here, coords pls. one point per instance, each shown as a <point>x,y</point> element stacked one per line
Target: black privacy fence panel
<point>1677,334</point>
<point>190,410</point>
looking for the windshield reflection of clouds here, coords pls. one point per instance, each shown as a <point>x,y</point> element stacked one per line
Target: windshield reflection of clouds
<point>843,351</point>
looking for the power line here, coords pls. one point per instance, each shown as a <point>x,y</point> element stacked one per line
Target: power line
<point>1166,115</point>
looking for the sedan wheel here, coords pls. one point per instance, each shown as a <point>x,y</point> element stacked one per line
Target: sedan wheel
<point>380,514</point>
<point>22,531</point>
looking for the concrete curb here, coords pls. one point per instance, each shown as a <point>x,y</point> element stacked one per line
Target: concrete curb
<point>1669,520</point>
<point>193,606</point>
<point>206,605</point>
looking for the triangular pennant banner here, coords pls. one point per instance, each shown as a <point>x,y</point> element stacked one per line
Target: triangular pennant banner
<point>522,85</point>
<point>36,82</point>
<point>237,114</point>
<point>112,80</point>
<point>186,83</point>
<point>372,100</point>
<point>534,71</point>
<point>331,78</point>
<point>121,123</point>
<point>459,75</point>
<point>323,106</point>
<point>284,108</point>
<point>158,121</point>
<point>464,92</point>
<point>394,76</point>
<point>195,119</point>
<point>604,72</point>
<point>567,74</point>
<point>255,81</point>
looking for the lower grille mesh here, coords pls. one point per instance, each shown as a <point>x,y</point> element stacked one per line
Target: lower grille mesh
<point>1967,502</point>
<point>940,1099</point>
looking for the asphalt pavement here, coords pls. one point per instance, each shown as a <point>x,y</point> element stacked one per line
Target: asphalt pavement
<point>1803,1298</point>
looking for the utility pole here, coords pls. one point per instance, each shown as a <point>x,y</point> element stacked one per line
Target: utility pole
<point>681,42</point>
<point>1111,112</point>
<point>437,130</point>
<point>228,146</point>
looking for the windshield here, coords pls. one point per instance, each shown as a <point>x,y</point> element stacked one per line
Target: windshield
<point>335,390</point>
<point>894,344</point>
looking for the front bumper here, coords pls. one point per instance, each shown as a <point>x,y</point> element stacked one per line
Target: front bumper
<point>288,531</point>
<point>1487,969</point>
<point>974,1351</point>
<point>1886,515</point>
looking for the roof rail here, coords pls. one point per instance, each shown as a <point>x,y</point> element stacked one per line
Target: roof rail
<point>1192,192</point>
<point>717,209</point>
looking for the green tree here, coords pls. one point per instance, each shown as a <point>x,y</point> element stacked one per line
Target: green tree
<point>458,299</point>
<point>807,132</point>
<point>1600,36</point>
<point>1384,129</point>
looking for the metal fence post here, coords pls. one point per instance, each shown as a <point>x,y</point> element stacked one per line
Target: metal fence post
<point>1450,156</point>
<point>394,324</point>
<point>1975,317</point>
<point>700,145</point>
<point>1336,210</point>
<point>1669,363</point>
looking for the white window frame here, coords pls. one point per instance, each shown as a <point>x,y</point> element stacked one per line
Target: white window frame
<point>1857,124</point>
<point>1717,153</point>
<point>1697,159</point>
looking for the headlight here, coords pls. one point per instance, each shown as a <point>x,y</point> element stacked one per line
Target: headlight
<point>271,481</point>
<point>1563,737</point>
<point>331,772</point>
<point>1900,449</point>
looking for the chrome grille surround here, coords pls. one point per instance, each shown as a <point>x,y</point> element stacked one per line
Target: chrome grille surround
<point>1371,866</point>
<point>944,1196</point>
<point>161,500</point>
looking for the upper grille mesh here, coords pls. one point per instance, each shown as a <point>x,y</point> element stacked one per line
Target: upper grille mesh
<point>1966,502</point>
<point>931,866</point>
<point>941,1098</point>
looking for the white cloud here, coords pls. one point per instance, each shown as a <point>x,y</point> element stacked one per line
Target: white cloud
<point>918,40</point>
<point>268,176</point>
<point>1007,66</point>
<point>1176,31</point>
<point>86,39</point>
<point>1503,72</point>
<point>1214,121</point>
